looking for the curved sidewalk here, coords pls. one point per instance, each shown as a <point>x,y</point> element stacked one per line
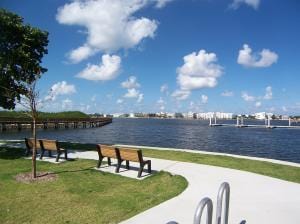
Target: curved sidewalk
<point>254,198</point>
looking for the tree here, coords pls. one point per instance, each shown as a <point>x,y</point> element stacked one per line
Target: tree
<point>22,48</point>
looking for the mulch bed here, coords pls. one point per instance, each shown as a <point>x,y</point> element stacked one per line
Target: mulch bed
<point>40,177</point>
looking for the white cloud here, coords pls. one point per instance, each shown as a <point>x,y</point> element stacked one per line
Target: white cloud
<point>132,86</point>
<point>181,94</point>
<point>161,104</point>
<point>60,88</point>
<point>247,59</point>
<point>120,101</point>
<point>258,104</point>
<point>130,83</point>
<point>284,109</point>
<point>204,99</point>
<point>132,93</point>
<point>164,88</point>
<point>140,98</point>
<point>67,104</point>
<point>247,97</point>
<point>198,71</point>
<point>269,93</point>
<point>108,69</point>
<point>227,93</point>
<point>162,3</point>
<point>110,25</point>
<point>252,3</point>
<point>93,98</point>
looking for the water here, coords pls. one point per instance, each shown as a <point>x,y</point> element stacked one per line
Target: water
<point>282,144</point>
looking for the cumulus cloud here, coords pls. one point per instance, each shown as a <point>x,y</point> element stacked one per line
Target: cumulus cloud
<point>60,88</point>
<point>132,86</point>
<point>199,71</point>
<point>227,93</point>
<point>120,101</point>
<point>247,97</point>
<point>164,88</point>
<point>140,98</point>
<point>181,94</point>
<point>161,104</point>
<point>67,104</point>
<point>108,69</point>
<point>204,99</point>
<point>265,58</point>
<point>252,3</point>
<point>130,83</point>
<point>132,93</point>
<point>162,3</point>
<point>258,104</point>
<point>269,94</point>
<point>110,25</point>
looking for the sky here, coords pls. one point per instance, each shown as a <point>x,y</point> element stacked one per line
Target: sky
<point>122,56</point>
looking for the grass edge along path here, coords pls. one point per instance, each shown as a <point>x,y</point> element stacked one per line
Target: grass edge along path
<point>279,171</point>
<point>80,194</point>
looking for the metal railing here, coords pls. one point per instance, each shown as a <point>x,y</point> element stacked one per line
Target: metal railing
<point>205,202</point>
<point>224,188</point>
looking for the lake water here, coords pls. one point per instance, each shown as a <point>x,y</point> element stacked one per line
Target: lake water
<point>282,144</point>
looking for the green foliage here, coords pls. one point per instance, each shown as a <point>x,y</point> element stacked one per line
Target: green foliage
<point>80,194</point>
<point>22,48</point>
<point>44,115</point>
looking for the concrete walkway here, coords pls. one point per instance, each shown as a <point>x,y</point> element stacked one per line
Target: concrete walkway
<point>254,198</point>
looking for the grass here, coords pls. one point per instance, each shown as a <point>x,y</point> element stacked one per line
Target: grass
<point>279,171</point>
<point>79,195</point>
<point>44,115</point>
<point>284,172</point>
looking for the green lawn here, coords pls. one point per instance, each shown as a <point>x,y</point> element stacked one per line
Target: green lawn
<point>79,195</point>
<point>283,172</point>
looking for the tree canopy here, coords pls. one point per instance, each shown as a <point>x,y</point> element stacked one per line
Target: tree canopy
<point>22,48</point>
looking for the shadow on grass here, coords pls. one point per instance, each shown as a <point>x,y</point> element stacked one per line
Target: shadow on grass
<point>74,171</point>
<point>11,153</point>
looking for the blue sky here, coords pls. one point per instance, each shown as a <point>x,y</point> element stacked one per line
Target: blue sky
<point>238,56</point>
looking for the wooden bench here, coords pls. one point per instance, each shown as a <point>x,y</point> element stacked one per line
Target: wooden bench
<point>29,142</point>
<point>51,145</point>
<point>106,151</point>
<point>134,155</point>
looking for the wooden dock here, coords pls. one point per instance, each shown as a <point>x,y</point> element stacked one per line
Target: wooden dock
<point>23,123</point>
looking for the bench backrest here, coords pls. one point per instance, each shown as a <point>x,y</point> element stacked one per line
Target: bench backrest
<point>107,151</point>
<point>134,155</point>
<point>30,143</point>
<point>49,145</point>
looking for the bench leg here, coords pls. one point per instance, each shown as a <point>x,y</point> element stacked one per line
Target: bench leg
<point>99,162</point>
<point>141,170</point>
<point>42,154</point>
<point>109,161</point>
<point>118,166</point>
<point>149,166</point>
<point>127,164</point>
<point>66,155</point>
<point>57,156</point>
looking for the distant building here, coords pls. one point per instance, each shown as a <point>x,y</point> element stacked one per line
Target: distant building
<point>218,115</point>
<point>262,115</point>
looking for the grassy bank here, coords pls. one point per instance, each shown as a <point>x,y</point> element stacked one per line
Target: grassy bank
<point>279,171</point>
<point>79,195</point>
<point>44,115</point>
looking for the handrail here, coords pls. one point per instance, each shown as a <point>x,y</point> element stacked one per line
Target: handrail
<point>205,202</point>
<point>223,188</point>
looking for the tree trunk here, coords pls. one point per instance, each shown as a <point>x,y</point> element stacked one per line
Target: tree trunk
<point>34,149</point>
